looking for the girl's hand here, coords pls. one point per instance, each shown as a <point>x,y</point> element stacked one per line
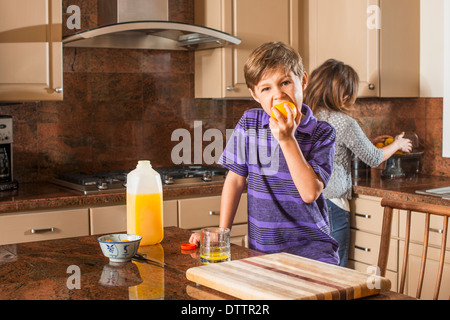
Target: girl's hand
<point>404,145</point>
<point>380,139</point>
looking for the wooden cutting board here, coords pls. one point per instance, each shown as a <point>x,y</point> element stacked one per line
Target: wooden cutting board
<point>286,276</point>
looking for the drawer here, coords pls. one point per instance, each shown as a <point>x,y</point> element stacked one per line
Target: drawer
<point>43,225</point>
<point>367,214</point>
<point>418,229</point>
<point>365,268</point>
<point>114,218</point>
<point>204,212</point>
<point>364,247</point>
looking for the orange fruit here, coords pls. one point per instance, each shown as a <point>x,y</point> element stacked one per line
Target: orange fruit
<point>379,145</point>
<point>282,109</point>
<point>388,141</point>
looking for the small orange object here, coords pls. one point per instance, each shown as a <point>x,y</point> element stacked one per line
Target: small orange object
<point>188,246</point>
<point>388,141</point>
<point>282,109</point>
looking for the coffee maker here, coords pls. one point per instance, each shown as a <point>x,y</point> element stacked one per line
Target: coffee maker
<point>7,181</point>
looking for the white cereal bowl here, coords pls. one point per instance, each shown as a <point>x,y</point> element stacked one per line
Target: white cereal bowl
<point>119,247</point>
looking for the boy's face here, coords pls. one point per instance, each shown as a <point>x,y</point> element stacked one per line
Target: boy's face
<point>277,86</point>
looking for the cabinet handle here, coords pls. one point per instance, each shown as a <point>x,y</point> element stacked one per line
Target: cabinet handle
<point>213,213</point>
<point>371,86</point>
<point>437,230</point>
<point>365,216</point>
<point>363,249</point>
<point>58,90</point>
<point>230,88</point>
<point>52,229</point>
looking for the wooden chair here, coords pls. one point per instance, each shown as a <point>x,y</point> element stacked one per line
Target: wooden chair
<point>428,209</point>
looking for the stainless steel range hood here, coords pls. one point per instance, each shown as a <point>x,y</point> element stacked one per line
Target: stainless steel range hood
<point>143,24</point>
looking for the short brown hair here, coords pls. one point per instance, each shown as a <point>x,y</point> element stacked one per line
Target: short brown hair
<point>333,85</point>
<point>268,57</point>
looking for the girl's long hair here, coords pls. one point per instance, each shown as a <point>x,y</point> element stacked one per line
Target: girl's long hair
<point>333,85</point>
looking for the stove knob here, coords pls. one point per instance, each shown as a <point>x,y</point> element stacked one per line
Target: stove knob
<point>102,186</point>
<point>168,180</point>
<point>207,177</point>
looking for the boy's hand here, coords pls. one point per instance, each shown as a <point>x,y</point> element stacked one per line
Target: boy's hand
<point>195,239</point>
<point>284,128</point>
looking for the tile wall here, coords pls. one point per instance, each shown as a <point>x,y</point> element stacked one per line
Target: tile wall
<point>121,106</point>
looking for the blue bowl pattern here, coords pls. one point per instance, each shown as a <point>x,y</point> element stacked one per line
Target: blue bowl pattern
<point>119,247</point>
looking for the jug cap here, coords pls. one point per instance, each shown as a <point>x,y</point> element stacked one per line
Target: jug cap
<point>144,163</point>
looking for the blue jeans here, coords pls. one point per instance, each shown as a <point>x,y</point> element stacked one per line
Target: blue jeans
<point>340,230</point>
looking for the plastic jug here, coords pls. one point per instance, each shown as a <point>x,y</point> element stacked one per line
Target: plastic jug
<point>145,204</point>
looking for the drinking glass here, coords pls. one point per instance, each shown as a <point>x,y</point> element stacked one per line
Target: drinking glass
<point>215,245</point>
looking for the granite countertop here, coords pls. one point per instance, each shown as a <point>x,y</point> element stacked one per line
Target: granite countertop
<point>39,271</point>
<point>401,189</point>
<point>44,196</point>
<point>76,269</point>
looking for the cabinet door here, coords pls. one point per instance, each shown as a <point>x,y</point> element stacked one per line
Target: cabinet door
<point>431,270</point>
<point>30,50</point>
<point>342,30</point>
<point>219,72</point>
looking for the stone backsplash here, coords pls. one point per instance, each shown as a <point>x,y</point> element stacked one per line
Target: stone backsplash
<point>121,106</point>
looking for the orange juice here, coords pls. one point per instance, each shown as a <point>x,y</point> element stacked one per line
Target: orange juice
<point>152,286</point>
<point>145,204</point>
<point>145,210</point>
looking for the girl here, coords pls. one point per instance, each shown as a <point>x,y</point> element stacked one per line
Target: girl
<point>331,91</point>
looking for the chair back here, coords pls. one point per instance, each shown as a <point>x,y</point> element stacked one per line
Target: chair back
<point>428,210</point>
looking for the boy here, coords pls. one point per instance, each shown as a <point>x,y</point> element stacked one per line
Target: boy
<point>286,209</point>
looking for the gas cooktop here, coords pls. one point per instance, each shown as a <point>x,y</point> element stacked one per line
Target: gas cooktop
<point>115,180</point>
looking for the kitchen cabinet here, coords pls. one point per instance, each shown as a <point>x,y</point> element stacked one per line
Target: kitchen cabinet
<point>188,213</point>
<point>415,255</point>
<point>197,213</point>
<point>366,215</point>
<point>111,219</point>
<point>219,72</point>
<point>366,220</point>
<point>31,50</point>
<point>43,225</point>
<point>380,39</point>
<point>431,269</point>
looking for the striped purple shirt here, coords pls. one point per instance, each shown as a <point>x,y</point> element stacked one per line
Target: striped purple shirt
<point>278,219</point>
